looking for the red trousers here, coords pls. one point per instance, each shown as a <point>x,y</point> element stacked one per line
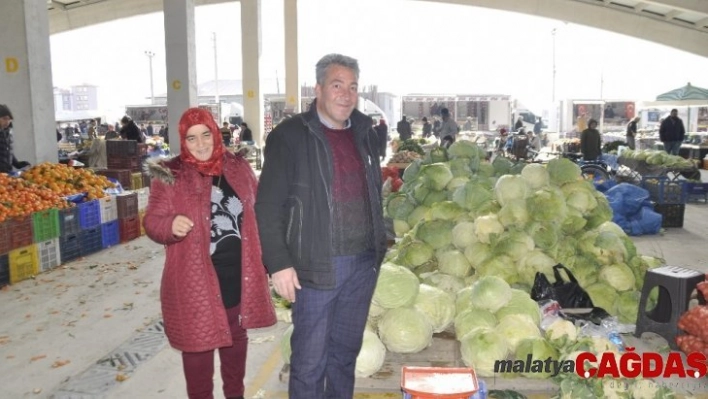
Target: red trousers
<point>199,366</point>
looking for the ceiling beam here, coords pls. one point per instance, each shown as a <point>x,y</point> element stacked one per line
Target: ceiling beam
<point>671,14</point>
<point>640,7</point>
<point>702,23</point>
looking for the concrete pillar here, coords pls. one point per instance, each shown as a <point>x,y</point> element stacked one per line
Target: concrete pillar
<point>180,56</point>
<point>292,82</point>
<point>251,60</point>
<point>26,78</point>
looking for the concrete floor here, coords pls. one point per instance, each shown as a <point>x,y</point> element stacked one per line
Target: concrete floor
<point>56,326</point>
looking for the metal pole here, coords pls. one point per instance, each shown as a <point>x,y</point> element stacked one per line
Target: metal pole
<point>216,80</point>
<point>553,93</point>
<point>151,54</point>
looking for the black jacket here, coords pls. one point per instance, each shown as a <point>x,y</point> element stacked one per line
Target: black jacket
<point>131,131</point>
<point>672,129</point>
<point>294,203</point>
<point>7,158</point>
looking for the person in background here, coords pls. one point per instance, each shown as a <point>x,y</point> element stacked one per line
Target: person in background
<point>226,134</point>
<point>672,133</point>
<point>59,136</point>
<point>322,229</point>
<point>111,133</point>
<point>632,132</point>
<point>246,134</point>
<point>149,130</point>
<point>91,131</point>
<point>404,129</point>
<point>427,128</point>
<point>437,125</point>
<point>468,124</point>
<point>538,127</point>
<point>519,124</point>
<point>161,132</point>
<point>214,285</point>
<point>449,128</point>
<point>591,142</point>
<point>129,130</point>
<point>7,154</point>
<point>582,122</point>
<point>382,132</point>
<point>97,156</point>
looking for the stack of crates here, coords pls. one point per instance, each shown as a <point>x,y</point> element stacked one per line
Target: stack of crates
<point>123,176</point>
<point>697,191</point>
<point>669,197</point>
<point>125,155</point>
<point>128,217</point>
<point>46,231</point>
<point>69,228</point>
<point>90,240</point>
<point>110,233</point>
<point>143,196</point>
<point>17,240</point>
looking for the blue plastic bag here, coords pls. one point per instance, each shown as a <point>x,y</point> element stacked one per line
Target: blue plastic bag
<point>632,197</point>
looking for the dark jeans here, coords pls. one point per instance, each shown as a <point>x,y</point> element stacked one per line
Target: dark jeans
<point>631,142</point>
<point>672,147</point>
<point>328,330</point>
<point>199,366</point>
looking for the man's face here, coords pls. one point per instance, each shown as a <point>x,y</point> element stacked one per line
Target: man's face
<point>674,114</point>
<point>5,122</point>
<point>338,96</point>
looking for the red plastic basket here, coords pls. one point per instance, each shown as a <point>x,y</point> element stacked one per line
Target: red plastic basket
<point>439,382</point>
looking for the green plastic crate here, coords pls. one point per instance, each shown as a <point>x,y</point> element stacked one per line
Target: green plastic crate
<point>45,225</point>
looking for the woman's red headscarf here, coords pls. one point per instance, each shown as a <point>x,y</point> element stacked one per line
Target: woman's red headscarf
<point>198,116</point>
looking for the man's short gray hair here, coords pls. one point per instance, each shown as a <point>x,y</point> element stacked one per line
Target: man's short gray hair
<point>335,59</point>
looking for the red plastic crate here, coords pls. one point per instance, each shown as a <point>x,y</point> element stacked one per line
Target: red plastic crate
<point>129,228</point>
<point>127,205</point>
<point>438,382</point>
<point>21,232</point>
<point>5,242</point>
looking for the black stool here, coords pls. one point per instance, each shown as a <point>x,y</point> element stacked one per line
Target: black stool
<point>675,287</point>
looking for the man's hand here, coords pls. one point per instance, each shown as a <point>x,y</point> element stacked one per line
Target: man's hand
<point>181,226</point>
<point>285,282</point>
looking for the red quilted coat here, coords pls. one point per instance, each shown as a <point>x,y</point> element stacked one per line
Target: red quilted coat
<point>192,308</point>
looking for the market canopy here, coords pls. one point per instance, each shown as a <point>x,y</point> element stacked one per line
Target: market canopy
<point>685,96</point>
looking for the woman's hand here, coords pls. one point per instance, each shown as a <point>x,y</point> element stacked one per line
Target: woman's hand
<point>181,226</point>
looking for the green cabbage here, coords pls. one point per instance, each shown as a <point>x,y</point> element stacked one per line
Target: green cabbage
<point>371,356</point>
<point>500,266</point>
<point>478,253</point>
<point>514,214</point>
<point>545,235</point>
<point>579,195</point>
<point>509,188</point>
<point>417,215</point>
<point>539,349</point>
<point>454,263</point>
<point>445,282</point>
<point>456,183</point>
<point>405,330</point>
<point>436,175</point>
<point>628,306</point>
<point>465,148</point>
<point>481,349</point>
<point>490,293</point>
<point>463,235</point>
<point>434,197</point>
<point>400,227</point>
<point>445,210</point>
<point>473,196</point>
<point>487,228</point>
<point>561,333</point>
<point>618,276</point>
<point>602,296</point>
<point>463,299</point>
<point>414,253</point>
<point>399,206</point>
<point>520,303</point>
<point>501,166</point>
<point>472,320</point>
<point>517,327</point>
<point>396,286</point>
<point>436,233</point>
<point>535,262</point>
<point>547,205</point>
<point>436,305</point>
<point>515,244</point>
<point>535,175</point>
<point>460,167</point>
<point>563,171</point>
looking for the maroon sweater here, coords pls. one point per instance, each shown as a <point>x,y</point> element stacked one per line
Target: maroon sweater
<point>352,228</point>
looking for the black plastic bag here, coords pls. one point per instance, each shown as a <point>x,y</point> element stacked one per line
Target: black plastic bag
<point>569,294</point>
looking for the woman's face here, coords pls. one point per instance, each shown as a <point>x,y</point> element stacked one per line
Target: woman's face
<point>200,142</point>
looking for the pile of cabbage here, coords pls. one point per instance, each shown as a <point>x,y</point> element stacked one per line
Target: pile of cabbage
<point>461,218</point>
<point>659,158</point>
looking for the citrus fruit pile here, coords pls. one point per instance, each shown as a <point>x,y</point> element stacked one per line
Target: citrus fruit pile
<point>19,198</point>
<point>65,180</point>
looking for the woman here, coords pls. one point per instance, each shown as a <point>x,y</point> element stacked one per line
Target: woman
<point>214,285</point>
<point>591,142</point>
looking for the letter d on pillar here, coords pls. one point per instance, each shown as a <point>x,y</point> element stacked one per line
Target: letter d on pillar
<point>11,65</point>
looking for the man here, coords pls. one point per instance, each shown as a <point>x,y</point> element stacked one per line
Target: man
<point>538,126</point>
<point>111,134</point>
<point>7,155</point>
<point>591,142</point>
<point>427,128</point>
<point>226,134</point>
<point>404,129</point>
<point>448,129</point>
<point>382,132</point>
<point>632,132</point>
<point>150,130</point>
<point>129,130</point>
<point>246,134</point>
<point>519,124</point>
<point>672,132</point>
<point>321,225</point>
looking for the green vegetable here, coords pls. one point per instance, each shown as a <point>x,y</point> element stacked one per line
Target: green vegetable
<point>396,286</point>
<point>561,333</point>
<point>445,282</point>
<point>536,176</point>
<point>563,171</point>
<point>602,296</point>
<point>285,349</point>
<point>414,253</point>
<point>490,293</point>
<point>478,253</point>
<point>520,303</point>
<point>445,210</point>
<point>405,330</point>
<point>628,306</point>
<point>481,349</point>
<point>509,188</point>
<point>514,214</point>
<point>472,320</point>
<point>454,263</point>
<point>436,175</point>
<point>417,215</point>
<point>399,206</point>
<point>618,276</point>
<point>488,228</point>
<point>436,233</point>
<point>436,305</point>
<point>371,356</point>
<point>463,235</point>
<point>517,327</point>
<point>539,349</point>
